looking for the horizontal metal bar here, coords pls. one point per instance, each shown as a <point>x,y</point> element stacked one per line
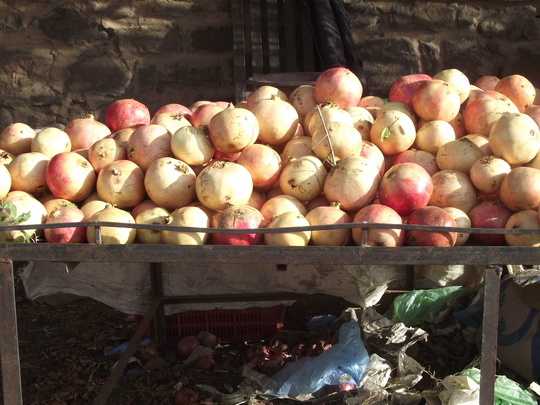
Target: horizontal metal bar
<point>330,255</point>
<point>351,225</point>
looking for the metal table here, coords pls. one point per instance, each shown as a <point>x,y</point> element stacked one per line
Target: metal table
<point>492,257</point>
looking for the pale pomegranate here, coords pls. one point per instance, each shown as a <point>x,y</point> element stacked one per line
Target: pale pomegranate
<point>329,215</point>
<point>121,183</point>
<point>452,188</point>
<point>520,189</point>
<point>232,129</point>
<point>519,89</point>
<point>17,138</point>
<point>436,100</point>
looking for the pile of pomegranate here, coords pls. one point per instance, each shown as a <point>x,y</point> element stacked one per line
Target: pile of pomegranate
<point>439,151</point>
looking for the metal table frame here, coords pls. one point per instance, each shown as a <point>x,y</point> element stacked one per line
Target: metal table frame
<point>490,256</point>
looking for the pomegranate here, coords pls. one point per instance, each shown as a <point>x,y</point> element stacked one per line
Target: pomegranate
<point>17,138</point>
<point>170,183</point>
<point>433,216</point>
<point>296,147</point>
<point>336,141</point>
<point>338,85</point>
<point>263,164</point>
<point>115,235</point>
<point>303,178</point>
<point>145,204</point>
<point>488,172</point>
<point>122,136</point>
<point>518,89</point>
<point>126,113</point>
<point>192,145</point>
<point>175,108</point>
<point>256,200</point>
<point>27,173</point>
<point>458,80</point>
<point>263,93</point>
<point>286,220</point>
<point>91,207</point>
<point>526,219</point>
<point>84,132</point>
<point>405,187</point>
<point>403,88</point>
<point>353,182</point>
<point>302,99</point>
<point>421,157</point>
<point>372,152</point>
<point>397,106</point>
<point>61,215</point>
<point>329,215</point>
<point>393,132</point>
<point>484,109</point>
<point>232,129</point>
<point>379,214</point>
<point>69,175</point>
<point>534,112</point>
<point>489,214</point>
<point>188,216</point>
<point>520,189</point>
<point>459,154</point>
<point>222,184</point>
<point>278,120</point>
<point>238,217</point>
<point>105,151</point>
<point>281,203</point>
<point>481,141</point>
<point>5,181</point>
<point>121,183</point>
<point>452,188</point>
<point>462,221</point>
<point>51,141</point>
<point>151,216</point>
<point>436,100</point>
<point>433,134</point>
<point>459,125</point>
<point>322,115</point>
<point>172,121</point>
<point>52,203</point>
<point>362,120</point>
<point>371,104</point>
<point>515,138</point>
<point>202,115</point>
<point>487,82</point>
<point>147,144</point>
<point>25,204</point>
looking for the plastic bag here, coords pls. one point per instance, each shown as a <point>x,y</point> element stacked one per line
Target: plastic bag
<point>419,306</point>
<point>507,391</point>
<point>344,362</point>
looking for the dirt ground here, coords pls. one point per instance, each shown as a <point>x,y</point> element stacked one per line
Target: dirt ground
<point>63,362</point>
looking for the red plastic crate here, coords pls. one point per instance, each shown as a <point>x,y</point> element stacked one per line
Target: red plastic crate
<point>229,325</point>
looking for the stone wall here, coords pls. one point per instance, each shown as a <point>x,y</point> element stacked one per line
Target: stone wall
<point>62,60</point>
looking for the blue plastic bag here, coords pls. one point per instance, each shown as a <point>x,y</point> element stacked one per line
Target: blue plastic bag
<point>344,362</point>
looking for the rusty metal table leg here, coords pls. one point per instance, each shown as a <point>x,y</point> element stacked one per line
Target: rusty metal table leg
<point>9,340</point>
<point>490,324</point>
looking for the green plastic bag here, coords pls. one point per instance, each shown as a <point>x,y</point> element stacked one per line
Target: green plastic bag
<point>418,306</point>
<point>507,391</point>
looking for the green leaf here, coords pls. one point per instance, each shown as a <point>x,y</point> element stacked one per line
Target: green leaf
<point>385,133</point>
